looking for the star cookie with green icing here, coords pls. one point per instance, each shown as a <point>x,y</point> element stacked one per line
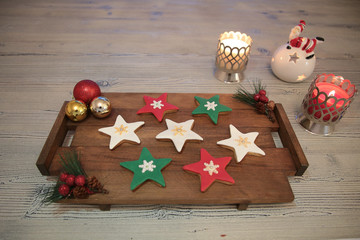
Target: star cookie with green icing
<point>211,107</point>
<point>122,132</point>
<point>157,106</point>
<point>146,168</point>
<point>210,170</point>
<point>179,133</point>
<point>241,143</point>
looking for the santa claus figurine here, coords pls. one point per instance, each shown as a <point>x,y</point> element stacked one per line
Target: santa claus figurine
<point>306,44</point>
<point>295,61</point>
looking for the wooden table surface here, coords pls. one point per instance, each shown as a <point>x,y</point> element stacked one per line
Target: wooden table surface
<point>46,47</point>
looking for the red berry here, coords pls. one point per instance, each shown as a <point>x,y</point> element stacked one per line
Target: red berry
<point>263,99</point>
<point>64,189</point>
<point>257,97</point>
<point>80,180</point>
<point>70,180</point>
<point>63,176</point>
<point>262,92</point>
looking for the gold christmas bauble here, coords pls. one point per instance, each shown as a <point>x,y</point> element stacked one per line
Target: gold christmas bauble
<point>76,111</point>
<point>100,107</point>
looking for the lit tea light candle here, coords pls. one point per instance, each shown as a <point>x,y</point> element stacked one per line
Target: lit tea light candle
<point>235,45</point>
<point>325,103</point>
<point>234,50</point>
<point>232,43</point>
<point>332,91</point>
<point>232,55</point>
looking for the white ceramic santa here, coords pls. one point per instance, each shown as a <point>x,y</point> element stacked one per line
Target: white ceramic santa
<point>295,61</point>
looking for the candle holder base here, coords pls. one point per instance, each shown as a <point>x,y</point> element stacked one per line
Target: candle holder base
<point>227,77</point>
<point>313,127</point>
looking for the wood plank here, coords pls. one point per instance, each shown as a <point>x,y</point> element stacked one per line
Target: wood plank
<point>127,104</point>
<point>252,185</point>
<point>148,132</point>
<point>102,159</point>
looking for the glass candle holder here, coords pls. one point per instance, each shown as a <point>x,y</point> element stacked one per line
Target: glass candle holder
<point>232,56</point>
<point>325,103</point>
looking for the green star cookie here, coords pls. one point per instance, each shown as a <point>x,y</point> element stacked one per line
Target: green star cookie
<point>146,168</point>
<point>211,107</point>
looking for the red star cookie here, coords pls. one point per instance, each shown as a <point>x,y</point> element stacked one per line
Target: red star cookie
<point>210,170</point>
<point>157,106</point>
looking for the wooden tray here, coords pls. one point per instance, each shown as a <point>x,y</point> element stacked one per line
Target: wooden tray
<point>257,179</point>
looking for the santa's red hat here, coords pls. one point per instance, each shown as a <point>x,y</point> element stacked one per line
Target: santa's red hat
<point>302,25</point>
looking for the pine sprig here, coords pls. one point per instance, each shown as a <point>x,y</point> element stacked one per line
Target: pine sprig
<point>53,195</point>
<point>73,182</point>
<point>266,107</point>
<point>258,86</point>
<point>243,95</point>
<point>71,163</point>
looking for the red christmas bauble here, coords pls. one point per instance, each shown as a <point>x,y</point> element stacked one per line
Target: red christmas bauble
<point>80,180</point>
<point>63,176</point>
<point>86,90</point>
<point>64,189</point>
<point>70,180</point>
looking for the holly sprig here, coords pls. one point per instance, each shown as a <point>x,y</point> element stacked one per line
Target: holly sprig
<point>257,98</point>
<point>73,182</point>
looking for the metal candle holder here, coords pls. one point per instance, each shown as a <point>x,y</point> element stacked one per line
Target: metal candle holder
<point>321,111</point>
<point>232,56</point>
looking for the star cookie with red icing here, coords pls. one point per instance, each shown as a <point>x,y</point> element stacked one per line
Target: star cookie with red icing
<point>210,170</point>
<point>157,106</point>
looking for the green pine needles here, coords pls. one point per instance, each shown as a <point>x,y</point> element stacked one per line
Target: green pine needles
<point>243,95</point>
<point>71,163</point>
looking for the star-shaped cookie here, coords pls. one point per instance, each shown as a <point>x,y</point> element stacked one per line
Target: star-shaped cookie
<point>157,106</point>
<point>210,170</point>
<point>241,143</point>
<point>179,133</point>
<point>122,132</point>
<point>211,107</point>
<point>146,168</point>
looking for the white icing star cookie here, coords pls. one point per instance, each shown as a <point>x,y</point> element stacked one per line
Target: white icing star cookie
<point>122,131</point>
<point>241,143</point>
<point>179,133</point>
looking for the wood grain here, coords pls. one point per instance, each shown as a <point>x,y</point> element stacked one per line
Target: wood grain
<point>46,47</point>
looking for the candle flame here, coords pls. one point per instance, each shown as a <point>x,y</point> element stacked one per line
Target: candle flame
<point>332,93</point>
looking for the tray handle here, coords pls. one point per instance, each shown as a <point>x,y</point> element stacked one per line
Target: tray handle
<point>290,141</point>
<point>53,141</point>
